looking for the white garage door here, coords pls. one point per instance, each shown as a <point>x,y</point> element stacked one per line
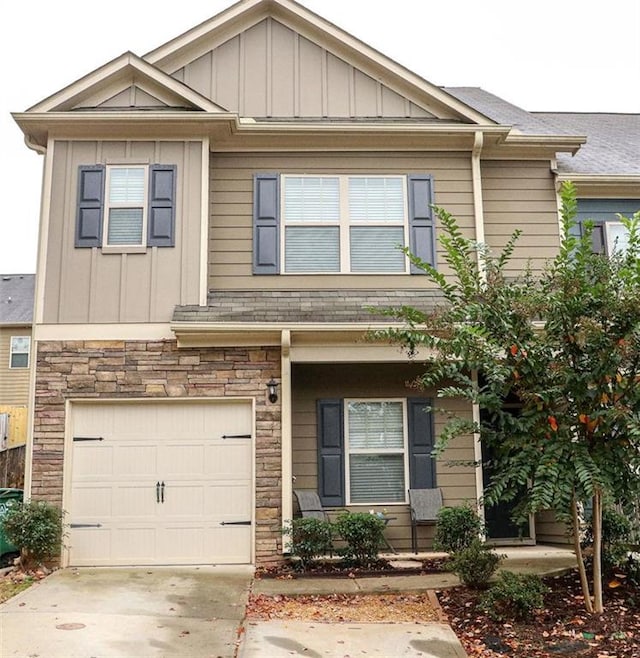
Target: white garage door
<point>161,483</point>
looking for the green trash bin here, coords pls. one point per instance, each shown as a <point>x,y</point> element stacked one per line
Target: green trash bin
<point>5,496</point>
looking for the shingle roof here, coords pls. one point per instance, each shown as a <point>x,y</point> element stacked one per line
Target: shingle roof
<point>503,112</point>
<point>16,298</point>
<point>289,306</point>
<point>613,142</point>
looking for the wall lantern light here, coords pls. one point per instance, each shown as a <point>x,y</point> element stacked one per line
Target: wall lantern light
<point>272,387</point>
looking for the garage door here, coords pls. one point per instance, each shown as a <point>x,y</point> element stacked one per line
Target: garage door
<point>161,483</point>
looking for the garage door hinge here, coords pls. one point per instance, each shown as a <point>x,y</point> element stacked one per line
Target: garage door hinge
<point>85,525</point>
<point>235,522</point>
<point>236,436</point>
<point>88,438</point>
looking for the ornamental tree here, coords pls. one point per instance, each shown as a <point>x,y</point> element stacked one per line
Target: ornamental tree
<point>564,343</point>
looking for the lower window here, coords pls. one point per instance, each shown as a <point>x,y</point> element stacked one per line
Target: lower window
<point>376,451</point>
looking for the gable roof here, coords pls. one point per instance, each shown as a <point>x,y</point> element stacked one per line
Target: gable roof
<point>119,74</point>
<point>191,45</point>
<point>16,298</point>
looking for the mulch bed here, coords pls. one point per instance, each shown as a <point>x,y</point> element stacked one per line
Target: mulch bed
<point>561,628</point>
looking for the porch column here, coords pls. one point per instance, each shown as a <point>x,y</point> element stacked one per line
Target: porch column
<point>285,421</point>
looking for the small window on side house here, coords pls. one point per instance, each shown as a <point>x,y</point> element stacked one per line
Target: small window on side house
<point>19,352</point>
<point>126,207</point>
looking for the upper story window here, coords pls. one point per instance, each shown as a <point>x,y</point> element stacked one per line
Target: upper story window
<point>349,224</point>
<point>19,352</point>
<point>342,223</point>
<point>126,206</point>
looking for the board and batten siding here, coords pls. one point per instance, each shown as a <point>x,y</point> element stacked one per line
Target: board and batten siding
<point>269,70</point>
<point>521,194</point>
<point>87,285</point>
<point>14,382</point>
<point>324,381</point>
<point>231,190</point>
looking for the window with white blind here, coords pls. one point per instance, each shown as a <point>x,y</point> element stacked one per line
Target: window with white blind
<point>344,224</point>
<point>376,451</point>
<point>617,237</point>
<point>126,206</point>
<point>19,352</point>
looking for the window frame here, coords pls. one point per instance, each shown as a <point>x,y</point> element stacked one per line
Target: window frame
<point>13,352</point>
<point>344,224</point>
<point>140,247</point>
<point>609,240</point>
<point>377,451</point>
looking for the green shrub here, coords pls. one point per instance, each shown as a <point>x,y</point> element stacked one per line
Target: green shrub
<point>514,596</point>
<point>475,564</point>
<point>310,538</point>
<point>457,528</point>
<point>617,532</point>
<point>362,534</point>
<point>35,528</point>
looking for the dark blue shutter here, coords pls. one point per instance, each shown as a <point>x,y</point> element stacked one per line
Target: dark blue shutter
<point>90,211</point>
<point>422,468</point>
<point>330,452</point>
<point>266,224</point>
<point>422,233</point>
<point>162,206</point>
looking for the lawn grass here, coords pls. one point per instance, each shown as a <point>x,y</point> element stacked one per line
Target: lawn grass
<point>9,589</point>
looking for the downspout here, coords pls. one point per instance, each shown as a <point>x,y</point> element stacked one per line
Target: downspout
<point>286,438</point>
<point>476,178</point>
<point>37,302</point>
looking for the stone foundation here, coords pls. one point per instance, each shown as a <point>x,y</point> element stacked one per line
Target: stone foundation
<point>157,369</point>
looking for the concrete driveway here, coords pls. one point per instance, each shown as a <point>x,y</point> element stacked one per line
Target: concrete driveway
<point>133,613</point>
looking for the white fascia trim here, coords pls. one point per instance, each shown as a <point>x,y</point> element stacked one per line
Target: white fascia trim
<point>126,64</point>
<point>133,331</point>
<point>231,327</point>
<point>561,143</point>
<point>602,179</point>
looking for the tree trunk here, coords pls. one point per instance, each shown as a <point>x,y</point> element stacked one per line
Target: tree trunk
<point>586,592</point>
<point>598,606</point>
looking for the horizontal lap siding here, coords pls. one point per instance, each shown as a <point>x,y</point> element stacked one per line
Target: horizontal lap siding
<point>521,195</point>
<point>231,199</point>
<point>14,382</point>
<point>311,383</point>
<point>551,531</point>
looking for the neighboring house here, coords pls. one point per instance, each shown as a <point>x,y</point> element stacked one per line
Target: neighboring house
<point>16,314</point>
<point>222,214</point>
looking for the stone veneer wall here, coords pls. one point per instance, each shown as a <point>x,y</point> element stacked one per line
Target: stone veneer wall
<point>158,369</point>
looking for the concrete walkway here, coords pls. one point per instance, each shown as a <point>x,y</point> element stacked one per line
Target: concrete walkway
<point>280,639</point>
<point>128,613</point>
<point>196,612</point>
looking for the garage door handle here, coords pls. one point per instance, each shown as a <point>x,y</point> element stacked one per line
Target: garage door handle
<point>236,436</point>
<point>235,522</point>
<point>162,492</point>
<point>157,492</point>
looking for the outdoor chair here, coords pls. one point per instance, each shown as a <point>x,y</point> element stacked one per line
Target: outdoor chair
<point>310,505</point>
<point>425,505</point>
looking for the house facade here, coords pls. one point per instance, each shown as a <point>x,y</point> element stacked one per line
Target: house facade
<point>220,221</point>
<point>16,312</point>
